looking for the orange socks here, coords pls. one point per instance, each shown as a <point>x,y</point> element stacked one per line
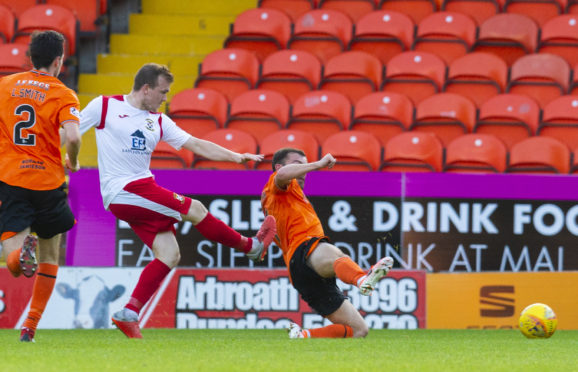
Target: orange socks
<point>43,286</point>
<point>330,331</point>
<point>13,262</point>
<point>347,270</point>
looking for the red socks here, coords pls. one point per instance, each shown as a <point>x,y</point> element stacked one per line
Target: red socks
<point>217,231</point>
<point>149,281</point>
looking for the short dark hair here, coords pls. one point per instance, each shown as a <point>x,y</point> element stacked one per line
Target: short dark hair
<point>280,155</point>
<point>45,47</point>
<point>149,74</point>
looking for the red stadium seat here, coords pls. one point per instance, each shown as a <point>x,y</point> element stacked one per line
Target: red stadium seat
<point>448,115</point>
<point>574,83</point>
<point>449,35</point>
<point>296,139</point>
<point>510,36</point>
<point>291,72</point>
<point>353,73</point>
<point>479,10</point>
<point>413,152</point>
<point>293,8</point>
<point>540,11</point>
<point>230,71</point>
<point>199,111</point>
<point>383,33</point>
<point>560,120</point>
<point>539,155</point>
<point>87,12</point>
<point>560,36</point>
<point>232,139</point>
<point>355,9</point>
<point>383,114</point>
<point>478,76</point>
<point>262,31</point>
<point>354,151</point>
<point>165,156</point>
<point>510,117</point>
<point>475,153</point>
<point>324,33</point>
<point>321,113</point>
<point>7,24</point>
<point>13,58</point>
<point>258,112</point>
<point>415,74</point>
<point>572,7</point>
<point>541,76</point>
<point>19,6</point>
<point>416,9</point>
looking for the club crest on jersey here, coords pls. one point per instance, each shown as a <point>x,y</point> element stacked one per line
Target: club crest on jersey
<point>138,141</point>
<point>179,197</point>
<point>150,125</point>
<point>74,111</point>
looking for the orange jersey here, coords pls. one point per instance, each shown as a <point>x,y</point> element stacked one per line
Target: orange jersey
<point>297,221</point>
<point>33,107</point>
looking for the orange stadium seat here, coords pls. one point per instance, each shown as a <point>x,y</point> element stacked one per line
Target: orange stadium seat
<point>572,7</point>
<point>230,71</point>
<point>540,11</point>
<point>199,111</point>
<point>413,152</point>
<point>19,6</point>
<point>13,58</point>
<point>296,139</point>
<point>415,74</point>
<point>510,36</point>
<point>293,8</point>
<point>165,156</point>
<point>87,12</point>
<point>560,36</point>
<point>475,153</point>
<point>449,35</point>
<point>7,24</point>
<point>354,151</point>
<point>258,112</point>
<point>539,155</point>
<point>510,117</point>
<point>291,72</point>
<point>353,73</point>
<point>416,9</point>
<point>383,33</point>
<point>541,76</point>
<point>323,32</point>
<point>479,10</point>
<point>383,114</point>
<point>448,115</point>
<point>263,31</point>
<point>321,113</point>
<point>574,83</point>
<point>478,76</point>
<point>560,120</point>
<point>355,9</point>
<point>232,139</point>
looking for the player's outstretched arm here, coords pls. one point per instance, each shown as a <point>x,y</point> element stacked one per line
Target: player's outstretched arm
<point>212,151</point>
<point>296,170</point>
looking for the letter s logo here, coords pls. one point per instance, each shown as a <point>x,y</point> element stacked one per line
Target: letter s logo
<point>500,306</point>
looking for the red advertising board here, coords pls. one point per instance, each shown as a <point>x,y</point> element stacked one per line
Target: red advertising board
<point>14,297</point>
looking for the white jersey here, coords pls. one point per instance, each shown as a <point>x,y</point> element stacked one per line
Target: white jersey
<point>126,137</point>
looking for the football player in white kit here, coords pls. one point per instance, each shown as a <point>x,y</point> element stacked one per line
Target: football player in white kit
<point>128,127</point>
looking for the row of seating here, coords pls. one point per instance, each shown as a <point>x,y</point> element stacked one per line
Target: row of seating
<point>449,35</point>
<point>405,152</point>
<point>480,10</point>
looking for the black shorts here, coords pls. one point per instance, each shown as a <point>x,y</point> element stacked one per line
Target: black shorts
<point>322,294</point>
<point>46,212</point>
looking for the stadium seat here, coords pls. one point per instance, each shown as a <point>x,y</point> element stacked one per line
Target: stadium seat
<point>324,33</point>
<point>165,156</point>
<point>199,111</point>
<point>13,58</point>
<point>539,155</point>
<point>415,74</point>
<point>574,162</point>
<point>415,9</point>
<point>475,153</point>
<point>478,76</point>
<point>448,115</point>
<point>540,11</point>
<point>353,73</point>
<point>232,139</point>
<point>413,152</point>
<point>258,112</point>
<point>560,36</point>
<point>87,12</point>
<point>7,24</point>
<point>291,72</point>
<point>572,7</point>
<point>560,120</point>
<point>449,35</point>
<point>296,139</point>
<point>383,33</point>
<point>293,8</point>
<point>509,117</point>
<point>263,31</point>
<point>510,36</point>
<point>479,10</point>
<point>321,113</point>
<point>383,114</point>
<point>354,151</point>
<point>230,71</point>
<point>19,6</point>
<point>355,9</point>
<point>541,76</point>
<point>574,83</point>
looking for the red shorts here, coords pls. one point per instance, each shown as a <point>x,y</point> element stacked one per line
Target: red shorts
<point>149,208</point>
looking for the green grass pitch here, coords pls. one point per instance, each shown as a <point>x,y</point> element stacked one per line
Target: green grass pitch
<point>270,350</point>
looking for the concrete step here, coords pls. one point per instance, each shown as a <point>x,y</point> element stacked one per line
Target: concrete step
<point>162,45</point>
<point>112,84</point>
<point>214,7</point>
<point>179,25</point>
<point>130,63</point>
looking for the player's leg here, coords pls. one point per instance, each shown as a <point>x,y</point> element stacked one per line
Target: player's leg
<point>347,322</point>
<point>20,251</point>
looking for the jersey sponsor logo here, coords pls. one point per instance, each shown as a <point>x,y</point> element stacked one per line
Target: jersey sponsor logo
<point>138,141</point>
<point>150,125</point>
<point>179,197</point>
<point>74,111</point>
<point>123,116</point>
